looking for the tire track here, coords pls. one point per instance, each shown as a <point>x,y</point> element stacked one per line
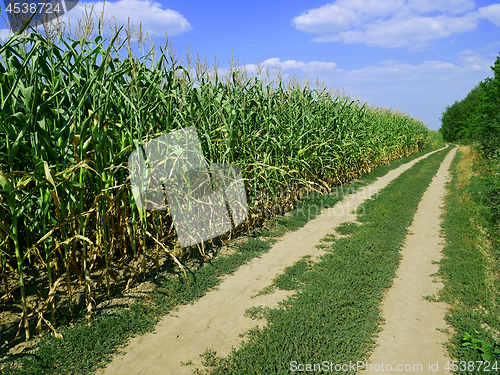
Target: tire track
<point>410,335</point>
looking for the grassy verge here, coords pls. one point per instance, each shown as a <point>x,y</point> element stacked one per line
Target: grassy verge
<point>87,346</point>
<point>335,314</point>
<point>470,267</point>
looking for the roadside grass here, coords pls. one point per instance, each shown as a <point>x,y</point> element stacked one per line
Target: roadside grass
<point>346,228</point>
<point>471,263</point>
<point>89,345</point>
<point>335,314</point>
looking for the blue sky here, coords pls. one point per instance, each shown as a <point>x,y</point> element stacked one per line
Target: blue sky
<point>417,56</point>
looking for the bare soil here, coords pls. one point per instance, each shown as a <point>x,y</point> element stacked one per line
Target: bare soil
<point>217,320</point>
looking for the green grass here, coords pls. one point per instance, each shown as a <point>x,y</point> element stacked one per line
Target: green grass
<point>85,347</point>
<point>346,228</point>
<point>335,313</point>
<point>471,262</point>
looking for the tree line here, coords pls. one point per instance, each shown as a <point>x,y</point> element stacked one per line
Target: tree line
<point>475,119</point>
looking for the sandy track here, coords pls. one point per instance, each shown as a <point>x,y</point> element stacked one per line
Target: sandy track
<point>410,335</point>
<point>217,319</point>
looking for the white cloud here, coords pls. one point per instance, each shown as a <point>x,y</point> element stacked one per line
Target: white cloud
<point>324,67</point>
<point>452,7</point>
<point>148,12</point>
<point>326,19</point>
<point>422,89</point>
<point>286,65</point>
<point>429,71</point>
<point>393,23</point>
<point>416,31</point>
<point>321,65</point>
<point>5,34</point>
<point>386,72</point>
<point>491,13</point>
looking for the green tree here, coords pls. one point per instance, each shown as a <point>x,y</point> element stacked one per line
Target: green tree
<point>490,110</point>
<point>460,121</point>
<point>476,118</point>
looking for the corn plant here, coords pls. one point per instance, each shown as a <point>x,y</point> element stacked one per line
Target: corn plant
<point>73,111</point>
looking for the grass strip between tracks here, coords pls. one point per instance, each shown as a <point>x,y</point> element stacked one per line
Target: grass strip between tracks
<point>87,346</point>
<point>335,315</point>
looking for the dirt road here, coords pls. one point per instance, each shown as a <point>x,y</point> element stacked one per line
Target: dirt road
<point>217,319</point>
<point>410,337</point>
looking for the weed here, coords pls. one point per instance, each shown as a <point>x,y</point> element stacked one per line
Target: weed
<point>346,228</point>
<point>484,348</point>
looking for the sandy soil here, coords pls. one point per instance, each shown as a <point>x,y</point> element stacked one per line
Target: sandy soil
<point>410,336</point>
<point>217,319</point>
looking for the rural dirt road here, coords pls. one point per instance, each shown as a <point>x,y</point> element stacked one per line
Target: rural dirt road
<point>410,336</point>
<point>217,319</point>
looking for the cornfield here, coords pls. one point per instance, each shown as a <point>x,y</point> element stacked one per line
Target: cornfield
<point>71,114</point>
